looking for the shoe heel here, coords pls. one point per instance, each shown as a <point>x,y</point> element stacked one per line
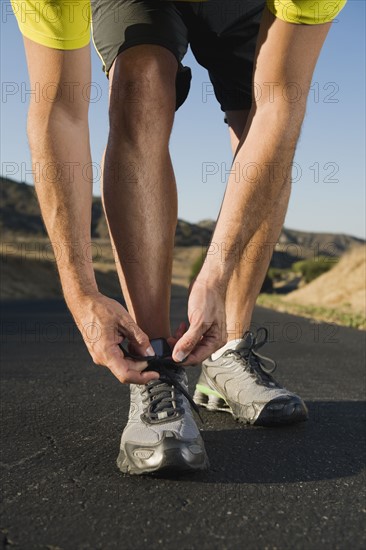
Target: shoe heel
<point>201,399</point>
<point>216,403</point>
<point>210,402</point>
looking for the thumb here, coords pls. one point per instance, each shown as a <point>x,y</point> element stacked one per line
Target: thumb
<point>187,343</point>
<point>139,341</point>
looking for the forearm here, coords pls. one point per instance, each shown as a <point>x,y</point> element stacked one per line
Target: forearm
<point>61,158</point>
<point>285,60</point>
<point>263,162</point>
<point>59,141</point>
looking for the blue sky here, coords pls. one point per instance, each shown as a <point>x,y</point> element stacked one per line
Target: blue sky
<point>328,192</point>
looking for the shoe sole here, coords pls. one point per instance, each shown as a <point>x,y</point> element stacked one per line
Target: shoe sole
<point>170,455</point>
<point>277,412</point>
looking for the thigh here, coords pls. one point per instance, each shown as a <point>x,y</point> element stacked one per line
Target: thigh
<point>223,39</point>
<point>126,24</point>
<point>236,121</point>
<point>62,25</point>
<point>122,24</point>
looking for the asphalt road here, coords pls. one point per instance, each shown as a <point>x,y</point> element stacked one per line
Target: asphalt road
<point>268,488</point>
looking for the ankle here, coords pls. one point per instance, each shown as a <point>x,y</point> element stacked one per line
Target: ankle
<point>235,331</point>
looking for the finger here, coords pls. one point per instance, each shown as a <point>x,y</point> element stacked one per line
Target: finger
<point>198,356</point>
<point>129,376</point>
<point>129,372</point>
<point>145,377</point>
<point>211,342</point>
<point>187,343</point>
<point>181,330</point>
<point>137,366</point>
<point>200,353</point>
<point>172,340</point>
<point>138,339</point>
<point>133,377</point>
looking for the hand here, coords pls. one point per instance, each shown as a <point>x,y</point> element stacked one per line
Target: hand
<point>104,324</point>
<point>207,330</point>
<point>172,340</point>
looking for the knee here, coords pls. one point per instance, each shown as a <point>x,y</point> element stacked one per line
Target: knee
<point>143,91</point>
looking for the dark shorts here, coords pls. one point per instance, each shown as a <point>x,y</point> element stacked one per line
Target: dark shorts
<point>221,33</point>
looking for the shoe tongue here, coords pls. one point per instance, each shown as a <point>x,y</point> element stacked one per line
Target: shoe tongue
<point>161,347</point>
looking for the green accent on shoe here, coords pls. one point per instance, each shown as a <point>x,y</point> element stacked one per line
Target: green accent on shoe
<point>208,391</point>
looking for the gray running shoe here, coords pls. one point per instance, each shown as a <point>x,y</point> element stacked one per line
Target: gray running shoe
<point>161,433</point>
<point>238,383</point>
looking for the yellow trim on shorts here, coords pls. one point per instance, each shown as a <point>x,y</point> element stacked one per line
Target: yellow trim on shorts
<point>61,24</point>
<point>306,12</point>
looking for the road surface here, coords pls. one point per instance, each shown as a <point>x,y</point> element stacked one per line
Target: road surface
<point>268,488</point>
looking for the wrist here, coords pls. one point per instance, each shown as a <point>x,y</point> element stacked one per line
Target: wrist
<point>212,279</point>
<point>219,263</point>
<point>76,292</point>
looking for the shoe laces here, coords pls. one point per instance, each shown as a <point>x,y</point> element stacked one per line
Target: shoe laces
<point>253,361</point>
<point>163,397</point>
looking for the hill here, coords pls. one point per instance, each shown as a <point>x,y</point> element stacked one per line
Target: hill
<point>343,287</point>
<point>20,217</point>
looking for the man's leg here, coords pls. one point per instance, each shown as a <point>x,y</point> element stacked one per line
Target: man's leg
<point>265,403</point>
<point>140,202</point>
<point>235,379</point>
<point>139,190</point>
<point>252,262</point>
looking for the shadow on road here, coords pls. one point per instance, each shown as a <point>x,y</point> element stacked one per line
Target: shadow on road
<point>330,445</point>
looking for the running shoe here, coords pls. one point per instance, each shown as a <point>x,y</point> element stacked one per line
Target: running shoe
<point>161,433</point>
<point>239,382</point>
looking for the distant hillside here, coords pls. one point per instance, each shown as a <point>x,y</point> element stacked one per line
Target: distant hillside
<point>305,244</point>
<point>341,287</point>
<point>20,217</point>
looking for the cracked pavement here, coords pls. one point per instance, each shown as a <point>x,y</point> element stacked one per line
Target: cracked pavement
<point>62,417</point>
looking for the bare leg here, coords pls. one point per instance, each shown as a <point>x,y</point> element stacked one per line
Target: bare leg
<point>253,261</point>
<point>139,188</point>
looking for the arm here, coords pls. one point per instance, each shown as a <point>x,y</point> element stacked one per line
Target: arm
<point>286,57</point>
<point>59,140</point>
